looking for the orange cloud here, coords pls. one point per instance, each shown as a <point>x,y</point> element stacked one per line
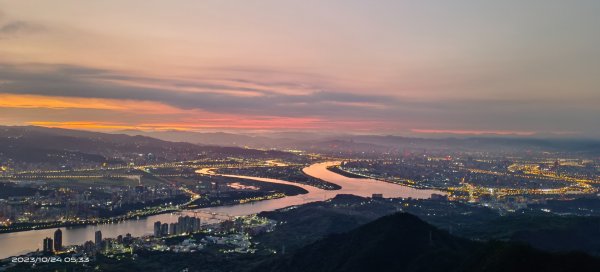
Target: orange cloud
<point>219,122</point>
<point>212,121</point>
<point>57,102</point>
<point>83,125</point>
<point>155,116</point>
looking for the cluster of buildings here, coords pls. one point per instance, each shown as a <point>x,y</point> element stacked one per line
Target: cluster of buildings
<point>496,182</point>
<point>54,203</point>
<point>53,245</point>
<point>185,224</point>
<point>229,236</point>
<point>239,241</point>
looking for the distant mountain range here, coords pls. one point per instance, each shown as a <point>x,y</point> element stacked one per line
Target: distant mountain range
<point>375,143</point>
<point>32,144</point>
<point>215,138</point>
<point>403,242</point>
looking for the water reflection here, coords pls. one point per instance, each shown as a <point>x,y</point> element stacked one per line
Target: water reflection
<point>27,241</point>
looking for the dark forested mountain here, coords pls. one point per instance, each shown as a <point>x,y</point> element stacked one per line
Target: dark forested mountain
<point>403,242</point>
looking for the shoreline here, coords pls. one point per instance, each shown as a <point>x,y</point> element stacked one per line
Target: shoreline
<point>57,224</point>
<point>27,242</point>
<point>336,169</point>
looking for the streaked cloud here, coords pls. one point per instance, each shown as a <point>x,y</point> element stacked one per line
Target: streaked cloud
<point>57,103</point>
<point>13,29</point>
<point>195,124</point>
<point>81,82</point>
<point>467,68</point>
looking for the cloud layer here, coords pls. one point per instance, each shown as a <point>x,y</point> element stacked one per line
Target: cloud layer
<point>463,68</point>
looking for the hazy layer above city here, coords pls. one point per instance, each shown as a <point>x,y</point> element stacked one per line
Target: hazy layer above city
<point>49,138</point>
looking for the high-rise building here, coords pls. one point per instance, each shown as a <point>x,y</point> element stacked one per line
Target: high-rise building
<point>182,224</point>
<point>98,238</point>
<point>173,229</point>
<point>58,240</point>
<point>48,244</point>
<point>157,232</point>
<point>195,224</point>
<point>187,224</point>
<point>164,229</point>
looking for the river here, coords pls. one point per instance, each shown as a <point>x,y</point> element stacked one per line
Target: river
<point>16,243</point>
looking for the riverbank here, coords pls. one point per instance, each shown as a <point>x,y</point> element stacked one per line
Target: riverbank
<point>338,170</point>
<point>27,241</point>
<point>141,215</point>
<point>52,225</point>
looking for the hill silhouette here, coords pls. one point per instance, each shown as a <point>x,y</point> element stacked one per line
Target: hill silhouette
<point>403,242</point>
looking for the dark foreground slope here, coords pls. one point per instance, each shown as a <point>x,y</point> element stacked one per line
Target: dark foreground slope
<point>403,242</point>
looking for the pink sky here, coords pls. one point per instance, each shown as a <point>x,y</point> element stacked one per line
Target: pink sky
<point>472,68</point>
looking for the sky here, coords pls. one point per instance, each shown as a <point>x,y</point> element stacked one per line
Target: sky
<point>511,68</point>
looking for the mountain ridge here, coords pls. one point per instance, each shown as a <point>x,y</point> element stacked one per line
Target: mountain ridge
<point>403,242</point>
